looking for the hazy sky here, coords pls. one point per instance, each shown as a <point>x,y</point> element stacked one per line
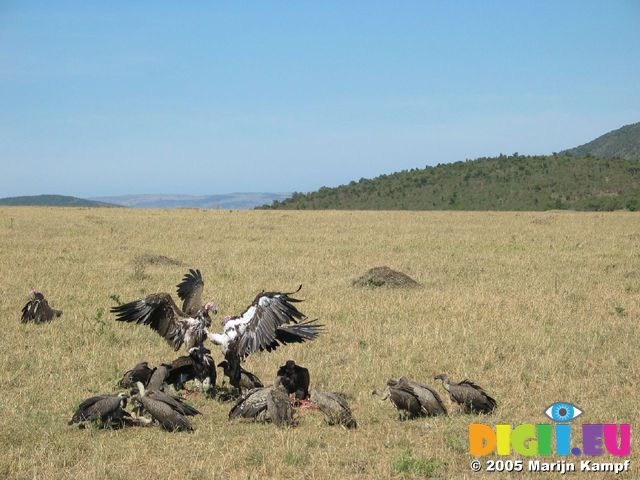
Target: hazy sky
<point>101,98</point>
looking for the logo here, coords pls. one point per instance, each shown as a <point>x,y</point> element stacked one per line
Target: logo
<point>545,439</point>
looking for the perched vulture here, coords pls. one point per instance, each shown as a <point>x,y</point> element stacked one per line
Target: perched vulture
<point>140,373</point>
<point>168,410</point>
<point>198,365</point>
<point>104,410</point>
<point>414,399</point>
<point>252,404</point>
<point>37,309</point>
<point>240,378</point>
<point>159,311</point>
<point>334,407</point>
<point>294,378</point>
<point>471,397</point>
<point>271,320</point>
<point>278,407</point>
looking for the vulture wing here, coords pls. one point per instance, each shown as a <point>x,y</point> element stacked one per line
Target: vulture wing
<point>334,407</point>
<point>262,327</point>
<point>38,310</point>
<point>176,403</point>
<point>190,292</point>
<point>100,407</point>
<point>251,404</point>
<point>279,408</point>
<point>429,399</point>
<point>140,373</point>
<point>170,418</point>
<point>475,396</point>
<point>160,312</point>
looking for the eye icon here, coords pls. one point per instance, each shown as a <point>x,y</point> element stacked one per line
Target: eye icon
<point>562,412</point>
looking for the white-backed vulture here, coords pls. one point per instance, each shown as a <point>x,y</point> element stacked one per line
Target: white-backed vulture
<point>104,410</point>
<point>334,407</point>
<point>414,399</point>
<point>252,405</point>
<point>37,309</point>
<point>279,408</point>
<point>168,410</point>
<point>471,397</point>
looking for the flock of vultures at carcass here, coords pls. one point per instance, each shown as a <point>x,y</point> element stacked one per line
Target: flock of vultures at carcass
<point>272,320</point>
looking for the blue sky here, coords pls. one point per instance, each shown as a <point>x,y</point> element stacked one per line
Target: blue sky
<point>100,98</point>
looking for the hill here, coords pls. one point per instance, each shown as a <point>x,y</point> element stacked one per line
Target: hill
<point>52,201</point>
<point>516,182</point>
<point>233,201</point>
<point>621,143</point>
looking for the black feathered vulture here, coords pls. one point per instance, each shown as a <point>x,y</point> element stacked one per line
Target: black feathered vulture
<point>240,378</point>
<point>160,312</point>
<point>140,373</point>
<point>37,309</point>
<point>294,378</point>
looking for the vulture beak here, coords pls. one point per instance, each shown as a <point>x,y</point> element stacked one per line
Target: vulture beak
<point>211,307</point>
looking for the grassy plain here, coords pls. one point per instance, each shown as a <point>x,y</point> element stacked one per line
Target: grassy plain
<point>536,307</point>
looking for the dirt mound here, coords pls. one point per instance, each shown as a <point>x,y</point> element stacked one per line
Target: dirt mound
<point>385,277</point>
<point>149,259</point>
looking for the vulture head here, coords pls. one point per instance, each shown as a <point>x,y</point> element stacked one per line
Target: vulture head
<point>203,313</point>
<point>442,376</point>
<point>123,399</point>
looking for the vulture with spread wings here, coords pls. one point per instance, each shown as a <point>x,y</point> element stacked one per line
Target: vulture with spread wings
<point>271,320</point>
<point>177,326</point>
<point>37,309</point>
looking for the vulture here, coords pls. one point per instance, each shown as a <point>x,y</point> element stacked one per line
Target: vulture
<point>471,397</point>
<point>240,378</point>
<point>294,378</point>
<point>271,320</point>
<point>198,365</point>
<point>168,410</point>
<point>104,410</point>
<point>37,309</point>
<point>158,379</point>
<point>252,404</point>
<point>278,407</point>
<point>176,326</point>
<point>334,407</point>
<point>140,373</point>
<point>414,399</point>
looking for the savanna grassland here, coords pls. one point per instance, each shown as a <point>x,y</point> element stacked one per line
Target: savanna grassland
<point>536,307</point>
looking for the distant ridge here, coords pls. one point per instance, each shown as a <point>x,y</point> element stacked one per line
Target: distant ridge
<point>232,201</point>
<point>621,143</point>
<point>600,175</point>
<point>52,201</point>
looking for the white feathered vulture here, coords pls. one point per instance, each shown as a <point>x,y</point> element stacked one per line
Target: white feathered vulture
<point>160,312</point>
<point>271,320</point>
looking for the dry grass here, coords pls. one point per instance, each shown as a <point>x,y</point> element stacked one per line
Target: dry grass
<point>536,307</point>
